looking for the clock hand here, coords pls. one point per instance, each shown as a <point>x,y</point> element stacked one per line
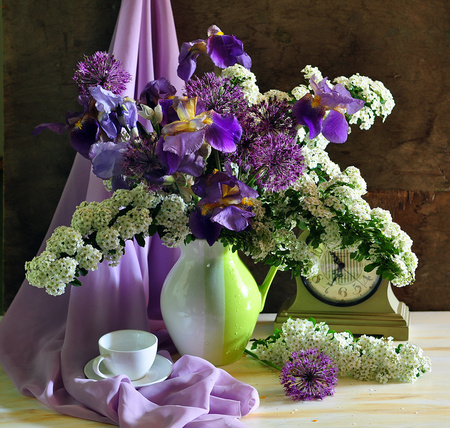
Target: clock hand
<point>341,268</point>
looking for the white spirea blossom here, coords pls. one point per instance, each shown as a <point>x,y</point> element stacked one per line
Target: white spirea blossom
<point>142,198</point>
<point>366,358</point>
<point>88,257</point>
<point>300,91</point>
<point>64,240</point>
<point>310,71</point>
<point>376,96</point>
<point>82,218</point>
<point>246,80</point>
<point>173,217</point>
<point>275,94</point>
<point>108,239</point>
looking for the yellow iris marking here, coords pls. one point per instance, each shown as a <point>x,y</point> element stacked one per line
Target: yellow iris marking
<point>79,124</point>
<point>315,102</point>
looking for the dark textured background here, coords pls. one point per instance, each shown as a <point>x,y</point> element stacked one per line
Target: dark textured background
<point>405,161</point>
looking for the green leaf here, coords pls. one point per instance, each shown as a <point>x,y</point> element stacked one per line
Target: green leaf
<point>76,283</point>
<point>370,267</point>
<point>140,240</point>
<point>83,272</point>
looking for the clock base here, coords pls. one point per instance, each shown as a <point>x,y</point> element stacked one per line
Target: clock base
<point>381,315</point>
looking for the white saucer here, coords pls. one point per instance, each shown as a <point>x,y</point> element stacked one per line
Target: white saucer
<point>160,370</point>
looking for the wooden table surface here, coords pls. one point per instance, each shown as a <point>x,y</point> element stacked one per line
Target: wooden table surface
<point>425,403</point>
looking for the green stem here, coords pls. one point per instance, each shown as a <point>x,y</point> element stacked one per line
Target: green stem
<point>218,163</point>
<point>266,362</point>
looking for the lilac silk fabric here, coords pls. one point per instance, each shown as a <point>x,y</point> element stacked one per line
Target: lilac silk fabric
<point>46,341</point>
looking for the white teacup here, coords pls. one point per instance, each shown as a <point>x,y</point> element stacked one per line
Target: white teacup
<point>128,352</point>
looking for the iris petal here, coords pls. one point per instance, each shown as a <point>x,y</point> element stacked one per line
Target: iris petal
<point>232,217</point>
<point>223,50</point>
<point>335,127</point>
<point>308,115</point>
<point>107,159</point>
<point>224,133</point>
<point>203,228</point>
<point>184,143</point>
<point>83,135</point>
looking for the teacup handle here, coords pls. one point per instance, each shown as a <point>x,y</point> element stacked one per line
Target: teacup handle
<point>96,366</point>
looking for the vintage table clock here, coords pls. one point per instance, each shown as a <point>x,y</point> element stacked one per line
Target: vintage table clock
<point>346,297</point>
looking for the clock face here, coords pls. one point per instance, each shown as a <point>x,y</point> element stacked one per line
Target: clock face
<point>341,281</point>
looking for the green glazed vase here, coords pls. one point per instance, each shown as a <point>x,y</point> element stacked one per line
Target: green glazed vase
<point>210,302</point>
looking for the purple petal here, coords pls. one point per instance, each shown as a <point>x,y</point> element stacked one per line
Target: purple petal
<point>84,135</point>
<point>107,159</point>
<point>244,60</point>
<point>156,90</point>
<point>232,217</point>
<point>184,143</point>
<point>352,104</point>
<point>109,125</point>
<point>223,50</point>
<point>59,128</point>
<point>203,228</point>
<point>105,100</point>
<point>335,127</point>
<point>169,113</point>
<point>308,115</point>
<point>192,164</point>
<point>187,60</point>
<point>224,133</point>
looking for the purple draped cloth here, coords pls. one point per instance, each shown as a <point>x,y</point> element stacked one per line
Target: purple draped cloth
<point>46,341</point>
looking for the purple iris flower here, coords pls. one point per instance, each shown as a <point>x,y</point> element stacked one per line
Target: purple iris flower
<point>186,136</point>
<point>224,203</point>
<point>224,51</point>
<point>310,111</point>
<point>155,90</point>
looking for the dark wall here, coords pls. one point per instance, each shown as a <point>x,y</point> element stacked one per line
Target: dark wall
<point>405,161</point>
<point>43,41</point>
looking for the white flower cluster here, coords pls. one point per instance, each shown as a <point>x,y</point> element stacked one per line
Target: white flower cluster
<point>246,80</point>
<point>310,71</point>
<point>367,358</point>
<point>174,219</point>
<point>98,232</point>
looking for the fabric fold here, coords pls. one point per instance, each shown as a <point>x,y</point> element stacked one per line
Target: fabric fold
<point>46,341</point>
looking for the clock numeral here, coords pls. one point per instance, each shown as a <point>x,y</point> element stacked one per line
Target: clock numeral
<point>357,288</point>
<point>316,278</point>
<point>342,292</point>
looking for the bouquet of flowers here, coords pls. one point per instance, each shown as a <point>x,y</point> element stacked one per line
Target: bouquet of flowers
<point>222,163</point>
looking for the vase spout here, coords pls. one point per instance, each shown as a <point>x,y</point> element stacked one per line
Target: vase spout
<point>264,287</point>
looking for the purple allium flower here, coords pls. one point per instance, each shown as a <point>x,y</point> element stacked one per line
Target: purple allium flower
<point>273,117</point>
<point>140,162</point>
<point>102,69</point>
<point>277,159</point>
<point>310,374</point>
<point>269,116</point>
<point>217,93</point>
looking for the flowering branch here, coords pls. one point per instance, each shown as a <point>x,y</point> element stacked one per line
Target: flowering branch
<point>364,358</point>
